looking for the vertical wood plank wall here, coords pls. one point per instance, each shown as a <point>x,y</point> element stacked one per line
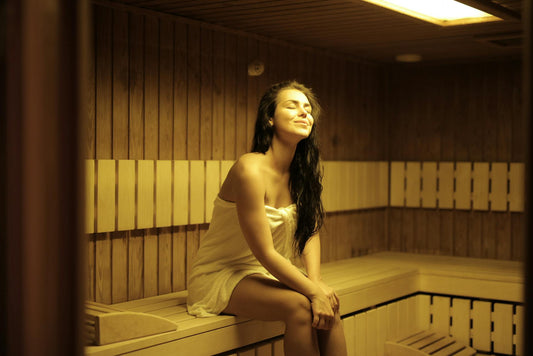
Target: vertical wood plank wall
<point>164,88</point>
<point>456,113</point>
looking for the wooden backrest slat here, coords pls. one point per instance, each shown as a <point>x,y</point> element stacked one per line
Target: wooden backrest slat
<point>498,186</point>
<point>181,193</point>
<point>412,189</point>
<point>145,194</point>
<point>460,314</point>
<point>126,195</point>
<point>105,195</point>
<point>197,192</point>
<point>429,184</point>
<point>480,333</point>
<point>445,186</point>
<point>212,186</point>
<point>397,179</point>
<point>463,177</point>
<point>502,335</point>
<point>480,177</point>
<point>516,186</point>
<point>89,196</point>
<point>163,188</point>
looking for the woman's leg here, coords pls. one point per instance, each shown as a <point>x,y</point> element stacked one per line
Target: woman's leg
<point>262,298</point>
<point>332,342</point>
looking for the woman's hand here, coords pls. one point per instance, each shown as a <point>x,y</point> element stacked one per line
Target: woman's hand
<point>330,294</point>
<point>323,314</point>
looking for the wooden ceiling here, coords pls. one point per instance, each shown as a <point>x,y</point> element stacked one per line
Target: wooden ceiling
<point>357,28</point>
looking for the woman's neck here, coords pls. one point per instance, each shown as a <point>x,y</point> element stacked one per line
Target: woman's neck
<point>280,155</point>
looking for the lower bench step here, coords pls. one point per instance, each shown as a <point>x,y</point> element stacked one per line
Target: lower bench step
<point>427,342</point>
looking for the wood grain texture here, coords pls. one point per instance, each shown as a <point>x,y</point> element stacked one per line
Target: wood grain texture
<point>164,261</point>
<point>163,189</point>
<point>498,186</point>
<point>135,265</point>
<point>145,194</point>
<point>103,83</point>
<point>150,263</point>
<point>481,328</point>
<point>151,88</point>
<point>120,84</point>
<point>166,87</point>
<point>179,81</point>
<point>429,184</point>
<point>126,195</point>
<point>119,266</point>
<point>105,194</point>
<point>206,93</point>
<point>151,74</point>
<point>136,87</point>
<point>179,259</point>
<point>460,314</point>
<point>90,192</point>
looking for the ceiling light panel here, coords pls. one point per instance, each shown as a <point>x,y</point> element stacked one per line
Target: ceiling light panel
<point>440,12</point>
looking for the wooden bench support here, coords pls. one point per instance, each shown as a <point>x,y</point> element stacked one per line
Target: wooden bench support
<point>427,343</point>
<point>105,324</point>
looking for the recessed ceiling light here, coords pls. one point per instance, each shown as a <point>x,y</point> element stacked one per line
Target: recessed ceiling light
<point>440,12</point>
<point>408,58</point>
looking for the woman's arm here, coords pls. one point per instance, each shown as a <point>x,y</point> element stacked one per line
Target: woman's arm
<point>249,191</point>
<point>311,261</point>
<point>311,258</point>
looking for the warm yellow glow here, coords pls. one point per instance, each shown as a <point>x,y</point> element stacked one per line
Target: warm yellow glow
<point>440,12</point>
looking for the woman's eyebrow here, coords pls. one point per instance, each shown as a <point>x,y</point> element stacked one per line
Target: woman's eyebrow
<point>298,102</point>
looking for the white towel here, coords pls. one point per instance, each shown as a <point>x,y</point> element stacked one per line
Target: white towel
<point>224,257</point>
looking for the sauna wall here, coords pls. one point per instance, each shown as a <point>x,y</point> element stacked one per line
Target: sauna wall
<point>162,87</point>
<point>453,113</point>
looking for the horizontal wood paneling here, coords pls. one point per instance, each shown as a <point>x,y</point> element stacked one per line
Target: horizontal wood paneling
<point>145,198</point>
<point>465,185</point>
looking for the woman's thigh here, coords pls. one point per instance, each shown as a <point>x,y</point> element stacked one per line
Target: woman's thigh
<point>263,298</point>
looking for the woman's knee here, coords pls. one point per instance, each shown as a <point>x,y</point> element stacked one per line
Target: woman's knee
<point>298,309</point>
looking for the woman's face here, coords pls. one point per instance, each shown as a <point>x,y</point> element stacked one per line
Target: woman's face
<point>292,117</point>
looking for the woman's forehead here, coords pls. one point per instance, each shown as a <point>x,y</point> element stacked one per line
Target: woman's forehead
<point>292,95</point>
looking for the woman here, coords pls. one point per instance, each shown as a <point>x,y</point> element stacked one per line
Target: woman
<point>268,207</point>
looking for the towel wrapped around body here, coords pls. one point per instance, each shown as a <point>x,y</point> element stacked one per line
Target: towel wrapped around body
<point>224,257</point>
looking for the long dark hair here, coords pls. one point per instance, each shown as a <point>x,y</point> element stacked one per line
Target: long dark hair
<point>305,182</point>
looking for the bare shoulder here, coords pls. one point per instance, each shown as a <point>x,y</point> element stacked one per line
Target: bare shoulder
<point>247,173</point>
<point>248,166</point>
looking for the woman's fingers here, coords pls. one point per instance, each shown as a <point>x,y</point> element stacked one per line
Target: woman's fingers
<point>316,320</point>
<point>323,312</point>
<point>323,321</point>
<point>334,301</point>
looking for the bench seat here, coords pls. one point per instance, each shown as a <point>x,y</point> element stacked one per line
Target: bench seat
<point>425,343</point>
<point>361,283</point>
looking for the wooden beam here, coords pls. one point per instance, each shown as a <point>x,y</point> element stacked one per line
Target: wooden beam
<point>527,113</point>
<point>46,53</point>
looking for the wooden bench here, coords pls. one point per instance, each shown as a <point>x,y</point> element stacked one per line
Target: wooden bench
<point>427,343</point>
<point>366,285</point>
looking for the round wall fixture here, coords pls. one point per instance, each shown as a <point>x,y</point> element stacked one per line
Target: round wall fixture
<point>256,68</point>
<point>408,58</point>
